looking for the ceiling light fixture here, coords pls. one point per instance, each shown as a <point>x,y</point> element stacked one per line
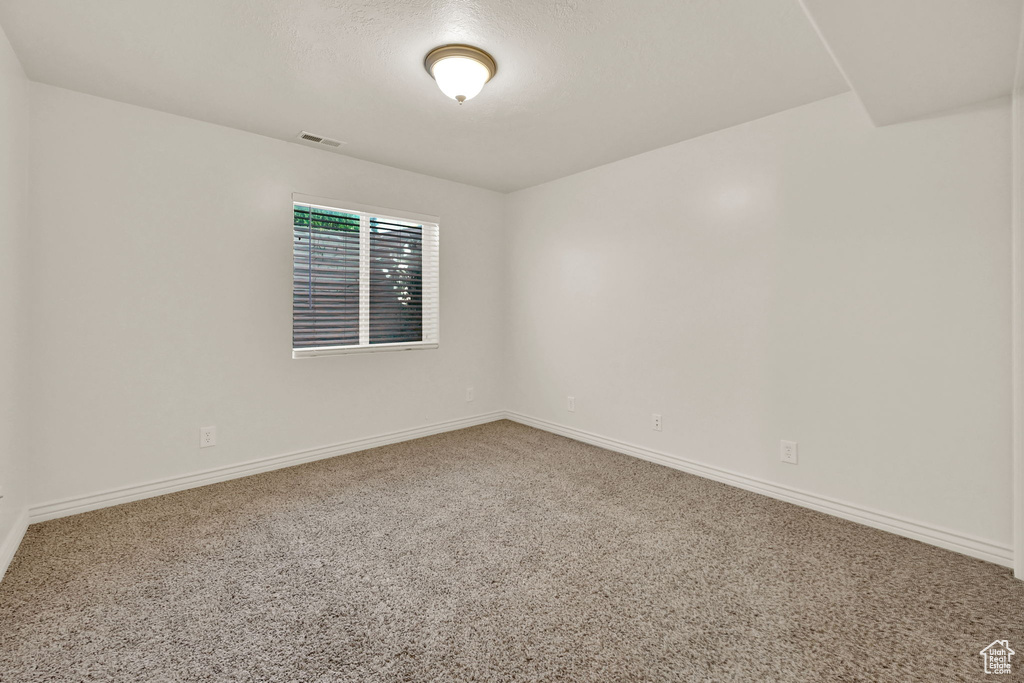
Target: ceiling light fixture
<point>460,70</point>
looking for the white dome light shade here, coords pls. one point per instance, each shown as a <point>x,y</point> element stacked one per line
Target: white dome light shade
<point>460,70</point>
<point>460,78</point>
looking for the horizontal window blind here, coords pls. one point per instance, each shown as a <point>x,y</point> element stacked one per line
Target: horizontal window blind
<point>325,281</point>
<point>362,280</point>
<point>396,282</point>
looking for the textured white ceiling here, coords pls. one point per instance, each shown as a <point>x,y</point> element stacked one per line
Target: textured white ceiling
<point>580,82</point>
<point>912,58</point>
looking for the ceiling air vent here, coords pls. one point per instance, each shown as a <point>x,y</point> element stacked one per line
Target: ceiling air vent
<point>320,140</point>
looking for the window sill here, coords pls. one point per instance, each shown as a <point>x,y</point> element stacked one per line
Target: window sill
<point>371,348</point>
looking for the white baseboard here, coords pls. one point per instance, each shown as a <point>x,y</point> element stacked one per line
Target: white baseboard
<point>943,538</point>
<point>10,544</point>
<point>127,494</point>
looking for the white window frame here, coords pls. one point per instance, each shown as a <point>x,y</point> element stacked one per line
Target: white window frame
<point>431,285</point>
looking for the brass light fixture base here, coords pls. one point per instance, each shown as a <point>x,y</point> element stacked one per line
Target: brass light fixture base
<point>474,53</point>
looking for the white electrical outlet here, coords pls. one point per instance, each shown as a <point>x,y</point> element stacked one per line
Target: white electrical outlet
<point>656,422</point>
<point>787,452</point>
<point>571,404</point>
<point>469,394</point>
<point>207,437</point>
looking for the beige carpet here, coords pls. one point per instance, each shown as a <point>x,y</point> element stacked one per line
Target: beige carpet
<point>497,553</point>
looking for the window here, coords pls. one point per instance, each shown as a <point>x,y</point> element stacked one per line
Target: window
<point>362,281</point>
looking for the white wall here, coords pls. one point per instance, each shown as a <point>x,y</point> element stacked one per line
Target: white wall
<point>161,278</point>
<point>13,233</point>
<point>1017,110</point>
<point>805,276</point>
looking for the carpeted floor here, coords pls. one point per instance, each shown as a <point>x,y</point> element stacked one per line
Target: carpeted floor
<point>497,553</point>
